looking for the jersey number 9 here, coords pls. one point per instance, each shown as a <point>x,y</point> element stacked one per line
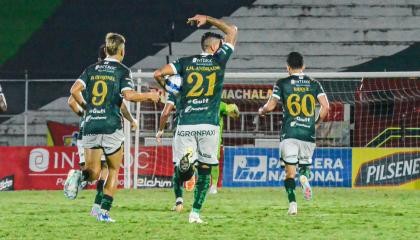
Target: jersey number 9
<point>99,93</point>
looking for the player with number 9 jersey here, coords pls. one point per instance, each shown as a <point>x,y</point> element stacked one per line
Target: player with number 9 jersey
<point>104,82</point>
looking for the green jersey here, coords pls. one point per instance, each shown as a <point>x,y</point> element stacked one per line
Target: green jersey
<point>202,83</point>
<point>104,82</point>
<point>298,94</point>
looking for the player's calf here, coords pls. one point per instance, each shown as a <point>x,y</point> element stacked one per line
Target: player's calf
<point>304,173</point>
<point>200,191</point>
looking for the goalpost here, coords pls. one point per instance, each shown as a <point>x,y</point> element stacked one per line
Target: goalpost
<point>371,137</point>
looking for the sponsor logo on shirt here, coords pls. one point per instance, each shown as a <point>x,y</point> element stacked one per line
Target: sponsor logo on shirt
<point>105,68</point>
<point>197,133</point>
<point>193,109</point>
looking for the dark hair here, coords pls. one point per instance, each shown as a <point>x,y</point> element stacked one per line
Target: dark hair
<point>295,60</point>
<point>206,36</point>
<point>101,52</point>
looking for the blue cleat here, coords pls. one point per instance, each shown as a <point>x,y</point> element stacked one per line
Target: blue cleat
<point>104,217</point>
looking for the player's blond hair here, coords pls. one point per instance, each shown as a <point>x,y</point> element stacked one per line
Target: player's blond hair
<point>114,42</point>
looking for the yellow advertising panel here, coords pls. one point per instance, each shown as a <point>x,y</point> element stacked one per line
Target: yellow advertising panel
<point>386,168</point>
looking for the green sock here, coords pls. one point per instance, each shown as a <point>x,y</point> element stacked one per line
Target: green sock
<point>304,170</point>
<point>106,202</point>
<point>99,192</point>
<point>201,188</point>
<point>214,175</point>
<point>178,184</point>
<point>290,186</point>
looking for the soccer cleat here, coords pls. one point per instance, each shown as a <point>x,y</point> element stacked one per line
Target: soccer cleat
<point>179,205</point>
<point>213,189</point>
<point>73,184</point>
<point>292,209</point>
<point>306,188</point>
<point>185,162</point>
<point>195,218</point>
<point>103,216</point>
<point>96,210</point>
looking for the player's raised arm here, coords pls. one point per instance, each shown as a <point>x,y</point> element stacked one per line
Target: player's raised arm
<point>75,107</point>
<point>230,30</point>
<point>323,111</point>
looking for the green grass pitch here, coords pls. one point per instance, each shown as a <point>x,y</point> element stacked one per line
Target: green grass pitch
<point>242,213</point>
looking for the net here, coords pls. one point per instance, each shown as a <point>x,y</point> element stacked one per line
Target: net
<point>371,137</point>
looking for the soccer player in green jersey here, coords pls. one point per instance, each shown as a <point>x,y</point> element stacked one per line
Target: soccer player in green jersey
<point>298,94</point>
<point>104,167</point>
<point>232,111</point>
<point>106,84</point>
<point>178,179</point>
<point>197,134</point>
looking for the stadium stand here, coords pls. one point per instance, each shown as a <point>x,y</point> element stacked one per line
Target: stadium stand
<point>333,35</point>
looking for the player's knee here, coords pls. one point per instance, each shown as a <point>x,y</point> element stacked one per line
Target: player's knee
<point>94,173</point>
<point>290,171</point>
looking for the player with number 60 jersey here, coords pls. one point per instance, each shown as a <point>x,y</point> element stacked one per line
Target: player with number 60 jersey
<point>298,93</point>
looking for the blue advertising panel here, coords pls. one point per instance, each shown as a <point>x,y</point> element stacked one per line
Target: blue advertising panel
<point>260,167</point>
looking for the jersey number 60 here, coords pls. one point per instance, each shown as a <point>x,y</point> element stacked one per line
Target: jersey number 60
<point>297,105</point>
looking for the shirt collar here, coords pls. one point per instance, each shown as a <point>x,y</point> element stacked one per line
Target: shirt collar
<point>298,74</point>
<point>111,59</point>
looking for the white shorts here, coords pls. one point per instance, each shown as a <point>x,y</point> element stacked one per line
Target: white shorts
<point>110,143</point>
<point>81,152</point>
<point>294,151</point>
<point>202,138</point>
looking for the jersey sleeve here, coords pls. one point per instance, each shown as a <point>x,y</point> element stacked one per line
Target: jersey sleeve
<point>126,81</point>
<point>319,90</point>
<point>83,78</point>
<point>276,91</point>
<point>223,109</point>
<point>177,66</point>
<point>171,99</point>
<point>223,54</point>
